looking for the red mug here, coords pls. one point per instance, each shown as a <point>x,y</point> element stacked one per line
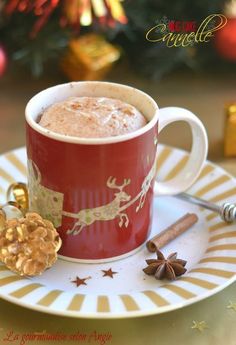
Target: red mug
<point>98,192</point>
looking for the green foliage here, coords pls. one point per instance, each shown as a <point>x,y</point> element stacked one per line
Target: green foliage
<point>34,52</point>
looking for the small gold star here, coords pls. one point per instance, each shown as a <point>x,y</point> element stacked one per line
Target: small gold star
<point>108,273</point>
<point>80,281</point>
<point>199,325</point>
<point>231,305</point>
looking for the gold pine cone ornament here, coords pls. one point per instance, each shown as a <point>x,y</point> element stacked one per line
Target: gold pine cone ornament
<point>29,245</point>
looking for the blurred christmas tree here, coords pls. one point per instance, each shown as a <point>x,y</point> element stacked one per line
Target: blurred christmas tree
<point>35,32</point>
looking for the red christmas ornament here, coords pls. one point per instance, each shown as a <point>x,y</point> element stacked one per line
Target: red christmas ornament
<point>3,60</point>
<point>225,40</point>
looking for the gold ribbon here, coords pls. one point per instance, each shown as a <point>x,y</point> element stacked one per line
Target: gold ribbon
<point>19,191</point>
<point>17,197</point>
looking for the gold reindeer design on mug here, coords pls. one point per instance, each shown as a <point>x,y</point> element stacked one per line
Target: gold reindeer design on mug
<point>113,209</point>
<point>106,212</point>
<point>49,203</point>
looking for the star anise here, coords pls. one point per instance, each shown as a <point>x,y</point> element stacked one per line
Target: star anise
<point>168,268</point>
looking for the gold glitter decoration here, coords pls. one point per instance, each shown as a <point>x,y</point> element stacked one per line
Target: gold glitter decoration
<point>29,245</point>
<point>199,325</point>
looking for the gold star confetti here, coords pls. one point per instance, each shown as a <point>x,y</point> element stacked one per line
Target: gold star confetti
<point>231,305</point>
<point>108,273</point>
<point>199,325</point>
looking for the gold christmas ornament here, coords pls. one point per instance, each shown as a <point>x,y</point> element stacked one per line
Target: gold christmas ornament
<point>28,245</point>
<point>230,131</point>
<point>89,57</point>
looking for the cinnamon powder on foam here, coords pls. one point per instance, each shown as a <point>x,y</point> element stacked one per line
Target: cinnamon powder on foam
<point>92,117</point>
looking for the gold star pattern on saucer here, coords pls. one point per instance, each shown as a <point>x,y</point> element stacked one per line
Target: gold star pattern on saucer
<point>80,281</point>
<point>108,273</point>
<point>199,325</point>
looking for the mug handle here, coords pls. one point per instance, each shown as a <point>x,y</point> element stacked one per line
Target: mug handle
<point>188,175</point>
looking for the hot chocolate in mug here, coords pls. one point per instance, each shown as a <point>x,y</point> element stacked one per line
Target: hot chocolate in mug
<point>98,192</point>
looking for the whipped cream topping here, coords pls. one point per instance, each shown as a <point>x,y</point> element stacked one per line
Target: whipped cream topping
<point>92,117</point>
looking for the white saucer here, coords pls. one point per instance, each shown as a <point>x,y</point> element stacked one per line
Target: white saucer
<point>209,247</point>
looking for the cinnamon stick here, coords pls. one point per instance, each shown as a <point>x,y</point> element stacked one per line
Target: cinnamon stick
<point>173,231</point>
